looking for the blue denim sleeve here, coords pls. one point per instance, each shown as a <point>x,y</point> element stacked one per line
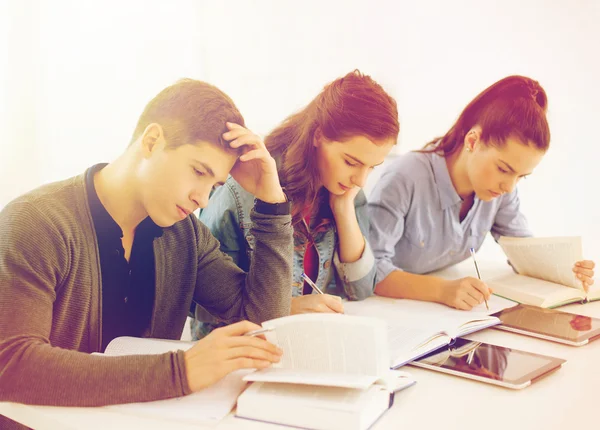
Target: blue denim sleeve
<point>221,216</point>
<point>358,278</point>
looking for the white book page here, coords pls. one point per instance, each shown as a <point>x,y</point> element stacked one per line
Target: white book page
<point>416,326</point>
<point>208,406</point>
<point>203,407</point>
<point>331,344</point>
<point>594,292</point>
<point>332,398</point>
<point>551,259</point>
<point>126,345</point>
<point>292,376</point>
<point>532,291</point>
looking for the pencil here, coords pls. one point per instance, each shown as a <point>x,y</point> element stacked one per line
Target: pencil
<point>478,274</point>
<point>311,283</point>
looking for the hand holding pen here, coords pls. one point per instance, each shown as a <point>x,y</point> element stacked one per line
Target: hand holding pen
<point>319,302</point>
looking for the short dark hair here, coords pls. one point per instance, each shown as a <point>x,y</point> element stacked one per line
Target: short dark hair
<point>189,111</point>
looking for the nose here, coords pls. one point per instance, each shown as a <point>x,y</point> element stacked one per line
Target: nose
<point>200,198</point>
<point>360,179</point>
<point>509,186</point>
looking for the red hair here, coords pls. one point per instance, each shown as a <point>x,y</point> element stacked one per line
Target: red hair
<point>354,105</point>
<point>512,107</point>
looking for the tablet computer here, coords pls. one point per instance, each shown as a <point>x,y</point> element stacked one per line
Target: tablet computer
<point>550,324</point>
<point>493,364</point>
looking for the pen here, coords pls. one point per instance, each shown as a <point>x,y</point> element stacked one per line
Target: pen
<point>478,275</point>
<point>259,331</point>
<point>311,283</point>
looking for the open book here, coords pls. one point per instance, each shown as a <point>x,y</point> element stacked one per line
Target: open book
<point>416,328</point>
<point>334,373</point>
<point>208,406</point>
<point>545,272</point>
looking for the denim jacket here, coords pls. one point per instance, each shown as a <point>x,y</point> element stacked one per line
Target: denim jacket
<point>228,218</point>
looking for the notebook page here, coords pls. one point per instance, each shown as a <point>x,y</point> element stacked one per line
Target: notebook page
<point>533,291</point>
<point>126,345</point>
<point>550,259</point>
<point>331,344</point>
<point>208,406</point>
<point>204,407</point>
<point>416,326</point>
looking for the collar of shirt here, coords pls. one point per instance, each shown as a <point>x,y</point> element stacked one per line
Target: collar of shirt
<point>108,227</point>
<point>447,194</point>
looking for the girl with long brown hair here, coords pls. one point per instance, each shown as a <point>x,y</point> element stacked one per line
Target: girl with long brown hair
<point>431,206</point>
<point>324,153</point>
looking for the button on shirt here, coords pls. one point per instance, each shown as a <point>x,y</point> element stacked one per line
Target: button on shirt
<point>127,287</point>
<point>414,212</point>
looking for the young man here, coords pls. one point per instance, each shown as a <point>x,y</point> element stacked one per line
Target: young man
<point>117,251</point>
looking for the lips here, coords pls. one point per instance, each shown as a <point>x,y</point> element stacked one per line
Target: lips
<point>494,193</point>
<point>184,212</point>
<point>343,187</point>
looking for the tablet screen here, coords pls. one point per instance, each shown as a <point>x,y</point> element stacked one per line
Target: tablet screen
<point>492,362</point>
<point>550,322</point>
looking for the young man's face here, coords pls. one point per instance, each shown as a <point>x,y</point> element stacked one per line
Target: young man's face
<point>174,182</point>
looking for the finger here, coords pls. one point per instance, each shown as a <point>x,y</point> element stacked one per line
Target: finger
<point>245,363</point>
<point>463,305</point>
<point>586,264</point>
<point>255,154</point>
<point>334,303</point>
<point>586,279</point>
<point>254,342</point>
<point>482,287</point>
<point>322,308</point>
<point>475,294</point>
<point>237,329</point>
<point>233,126</point>
<point>585,272</point>
<point>471,301</point>
<point>586,288</point>
<point>235,133</point>
<point>250,141</point>
<point>251,352</point>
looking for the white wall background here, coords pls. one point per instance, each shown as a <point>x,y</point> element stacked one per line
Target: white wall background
<point>75,75</point>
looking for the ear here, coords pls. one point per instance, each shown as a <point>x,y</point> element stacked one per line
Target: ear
<point>151,139</point>
<point>472,138</point>
<point>318,138</point>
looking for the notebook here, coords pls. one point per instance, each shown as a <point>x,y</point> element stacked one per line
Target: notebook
<point>545,272</point>
<point>208,406</point>
<point>416,328</point>
<point>334,373</point>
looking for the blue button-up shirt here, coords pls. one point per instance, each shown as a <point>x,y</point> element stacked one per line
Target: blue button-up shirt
<point>414,211</point>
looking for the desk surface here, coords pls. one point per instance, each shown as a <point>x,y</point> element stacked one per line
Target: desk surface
<point>564,399</point>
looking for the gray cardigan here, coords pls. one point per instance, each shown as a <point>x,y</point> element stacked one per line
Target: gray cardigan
<point>51,308</point>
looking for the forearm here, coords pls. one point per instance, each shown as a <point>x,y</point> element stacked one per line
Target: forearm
<point>351,239</point>
<point>405,285</point>
<point>269,279</point>
<point>37,373</point>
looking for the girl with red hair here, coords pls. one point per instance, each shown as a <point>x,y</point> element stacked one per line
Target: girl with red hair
<point>324,154</point>
<point>430,207</point>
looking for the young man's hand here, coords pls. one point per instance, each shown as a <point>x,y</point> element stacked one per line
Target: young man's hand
<point>464,293</point>
<point>255,170</point>
<point>225,350</point>
<point>317,303</point>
